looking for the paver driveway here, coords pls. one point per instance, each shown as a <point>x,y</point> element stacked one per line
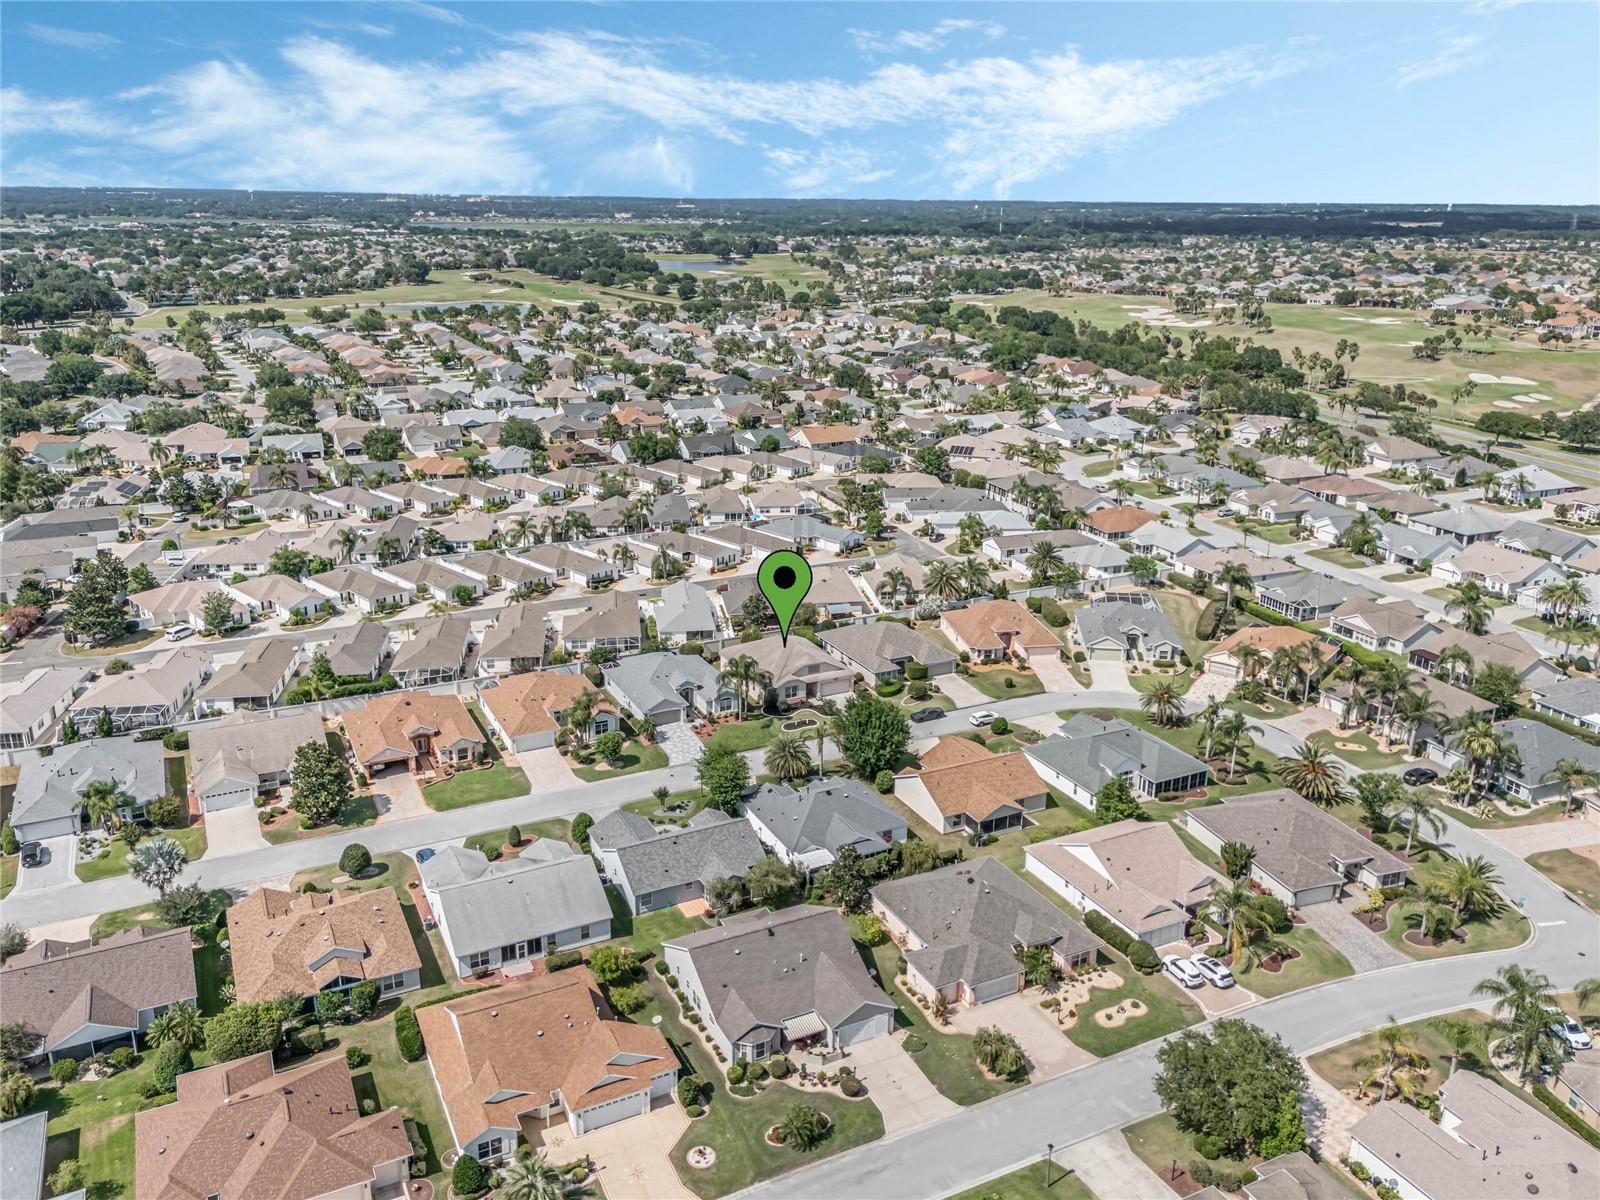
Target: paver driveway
<point>896,1085</point>
<point>1350,936</point>
<point>631,1157</point>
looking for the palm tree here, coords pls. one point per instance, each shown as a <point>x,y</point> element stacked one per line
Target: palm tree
<point>1397,1064</point>
<point>1469,885</point>
<point>1419,813</point>
<point>939,580</point>
<point>1234,575</point>
<point>103,799</point>
<point>974,577</point>
<point>180,1023</point>
<point>1455,663</point>
<point>1208,718</point>
<point>530,1177</point>
<point>624,556</point>
<point>1513,989</point>
<point>742,673</point>
<point>1224,903</point>
<point>1235,731</point>
<point>1312,772</point>
<point>1042,560</point>
<point>1586,990</point>
<point>1574,776</point>
<point>349,539</point>
<point>1460,1033</point>
<point>1163,704</point>
<point>893,585</point>
<point>519,531</point>
<point>1470,607</point>
<point>1413,708</point>
<point>1484,747</point>
<point>388,548</point>
<point>788,757</point>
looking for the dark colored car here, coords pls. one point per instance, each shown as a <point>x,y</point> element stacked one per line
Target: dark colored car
<point>32,854</point>
<point>927,714</point>
<point>1418,776</point>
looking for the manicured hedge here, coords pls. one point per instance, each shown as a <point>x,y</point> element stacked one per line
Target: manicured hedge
<point>1112,935</point>
<point>407,1034</point>
<point>562,959</point>
<point>1568,1118</point>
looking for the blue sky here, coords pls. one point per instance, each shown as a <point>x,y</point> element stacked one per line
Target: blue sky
<point>1492,101</point>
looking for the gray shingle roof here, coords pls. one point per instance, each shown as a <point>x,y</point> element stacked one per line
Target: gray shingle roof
<point>488,904</point>
<point>973,916</point>
<point>1294,840</point>
<point>824,815</point>
<point>54,786</point>
<point>654,859</point>
<point>880,646</point>
<point>1100,622</point>
<point>648,681</point>
<point>1090,752</point>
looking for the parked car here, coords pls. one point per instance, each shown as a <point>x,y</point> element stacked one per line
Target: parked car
<point>178,632</point>
<point>1185,972</point>
<point>983,717</point>
<point>1569,1031</point>
<point>425,854</point>
<point>32,854</point>
<point>1216,974</point>
<point>1418,776</point>
<point>927,714</point>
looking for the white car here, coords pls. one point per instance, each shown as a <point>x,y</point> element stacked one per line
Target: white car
<point>1185,972</point>
<point>1216,974</point>
<point>983,717</point>
<point>178,632</point>
<point>1569,1031</point>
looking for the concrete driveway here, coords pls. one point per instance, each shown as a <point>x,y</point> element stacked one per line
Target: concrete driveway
<point>631,1157</point>
<point>1112,1170</point>
<point>1566,834</point>
<point>1055,675</point>
<point>1303,724</point>
<point>58,857</point>
<point>398,797</point>
<point>1049,1050</point>
<point>896,1085</point>
<point>962,692</point>
<point>233,831</point>
<point>1108,676</point>
<point>546,770</point>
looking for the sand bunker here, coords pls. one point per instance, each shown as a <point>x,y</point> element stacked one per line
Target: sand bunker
<point>1540,396</point>
<point>1155,314</point>
<point>1120,1014</point>
<point>1505,404</point>
<point>1518,380</point>
<point>1481,377</point>
<point>1514,380</point>
<point>1524,398</point>
<point>1386,321</point>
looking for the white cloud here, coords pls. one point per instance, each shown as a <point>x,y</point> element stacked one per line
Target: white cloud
<point>22,112</point>
<point>72,39</point>
<point>876,42</point>
<point>1455,52</point>
<point>332,26</point>
<point>650,160</point>
<point>824,170</point>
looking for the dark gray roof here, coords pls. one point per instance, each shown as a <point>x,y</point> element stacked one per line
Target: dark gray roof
<point>651,680</point>
<point>651,859</point>
<point>1541,747</point>
<point>824,814</point>
<point>54,786</point>
<point>1578,697</point>
<point>973,917</point>
<point>22,1157</point>
<point>764,968</point>
<point>1319,591</point>
<point>1090,752</point>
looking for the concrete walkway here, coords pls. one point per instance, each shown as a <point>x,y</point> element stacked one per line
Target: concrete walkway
<point>1329,1116</point>
<point>233,831</point>
<point>1109,677</point>
<point>1337,925</point>
<point>1112,1171</point>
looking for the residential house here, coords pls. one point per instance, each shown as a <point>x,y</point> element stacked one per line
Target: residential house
<point>961,787</point>
<point>504,913</point>
<point>238,758</point>
<point>655,868</point>
<point>1529,483</point>
<point>1136,874</point>
<point>1089,752</point>
<point>993,630</point>
<point>685,614</point>
<point>368,591</point>
<point>47,800</point>
<point>24,1142</point>
<point>357,651</point>
<point>962,928</point>
<point>305,943</point>
<point>801,672</point>
<point>1395,625</point>
<point>436,652</point>
<point>81,997</point>
<point>1576,701</point>
<point>768,982</point>
<point>612,621</point>
<point>806,822</point>
<point>880,651</point>
<point>1302,855</point>
<point>241,1128</point>
<point>511,1061</point>
<point>1308,596</point>
<point>528,710</point>
<point>1126,627</point>
<point>1228,657</point>
<point>516,642</point>
<point>256,679</point>
<point>33,700</point>
<point>153,694</point>
<point>1499,570</point>
<point>1529,776</point>
<point>668,688</point>
<point>1577,1086</point>
<point>415,731</point>
<point>1510,649</point>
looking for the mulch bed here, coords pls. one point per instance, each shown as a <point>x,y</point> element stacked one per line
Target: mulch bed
<point>1181,797</point>
<point>1379,921</point>
<point>1274,963</point>
<point>1182,1185</point>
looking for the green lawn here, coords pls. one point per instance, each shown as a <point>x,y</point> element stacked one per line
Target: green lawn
<point>991,681</point>
<point>1502,820</point>
<point>93,1123</point>
<point>8,873</point>
<point>390,1080</point>
<point>635,757</point>
<point>1158,1143</point>
<point>1146,681</point>
<point>1368,758</point>
<point>359,813</point>
<point>1099,470</point>
<point>1169,1010</point>
<point>114,860</point>
<point>948,1060</point>
<point>1060,815</point>
<point>1571,872</point>
<point>136,640</point>
<point>558,829</point>
<point>1030,1183</point>
<point>646,932</point>
<point>1340,557</point>
<point>140,914</point>
<point>495,782</point>
<point>1318,963</point>
<point>387,870</point>
<point>1507,929</point>
<point>176,769</point>
<point>1338,1063</point>
<point>740,736</point>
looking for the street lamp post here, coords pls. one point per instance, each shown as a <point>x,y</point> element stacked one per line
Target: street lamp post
<point>1049,1161</point>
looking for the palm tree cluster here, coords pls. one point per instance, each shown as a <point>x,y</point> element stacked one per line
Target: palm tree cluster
<point>1247,920</point>
<point>744,675</point>
<point>948,581</point>
<point>1396,1066</point>
<point>1520,1016</point>
<point>1226,732</point>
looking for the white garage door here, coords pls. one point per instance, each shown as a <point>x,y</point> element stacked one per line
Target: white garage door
<point>994,989</point>
<point>1107,654</point>
<point>232,798</point>
<point>613,1111</point>
<point>864,1030</point>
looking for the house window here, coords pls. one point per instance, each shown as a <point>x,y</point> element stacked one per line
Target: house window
<point>584,932</point>
<point>392,983</point>
<point>489,1149</point>
<point>478,960</point>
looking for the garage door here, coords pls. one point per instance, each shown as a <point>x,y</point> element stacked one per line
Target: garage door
<point>864,1030</point>
<point>613,1111</point>
<point>994,989</point>
<point>38,831</point>
<point>1107,654</point>
<point>1317,895</point>
<point>232,798</point>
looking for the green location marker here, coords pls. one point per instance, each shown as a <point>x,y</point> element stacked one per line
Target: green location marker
<point>784,578</point>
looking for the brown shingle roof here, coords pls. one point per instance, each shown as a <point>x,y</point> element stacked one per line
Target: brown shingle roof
<point>239,1132</point>
<point>963,777</point>
<point>300,942</point>
<point>980,626</point>
<point>527,703</point>
<point>381,729</point>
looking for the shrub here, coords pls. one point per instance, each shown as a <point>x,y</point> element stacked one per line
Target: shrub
<point>1568,1118</point>
<point>149,1089</point>
<point>803,1127</point>
<point>355,859</point>
<point>123,1058</point>
<point>1112,935</point>
<point>1000,727</point>
<point>914,1044</point>
<point>466,1177</point>
<point>661,966</point>
<point>364,999</point>
<point>407,1033</point>
<point>694,1110</point>
<point>178,739</point>
<point>308,886</point>
<point>1011,681</point>
<point>920,691</point>
<point>166,811</point>
<point>355,1056</point>
<point>916,672</point>
<point>688,1090</point>
<point>1385,1192</point>
<point>333,1008</point>
<point>170,1061</point>
<point>884,781</point>
<point>64,1070</point>
<point>68,1177</point>
<point>630,998</point>
<point>756,1072</point>
<point>850,1086</point>
<point>1144,958</point>
<point>778,1065</point>
<point>308,1040</point>
<point>736,1073</point>
<point>514,835</point>
<point>1359,1170</point>
<point>1209,1147</point>
<point>866,930</point>
<point>562,960</point>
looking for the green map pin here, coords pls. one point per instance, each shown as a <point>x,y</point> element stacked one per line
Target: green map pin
<point>784,578</point>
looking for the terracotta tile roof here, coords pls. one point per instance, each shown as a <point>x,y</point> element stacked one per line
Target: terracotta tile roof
<point>551,1033</point>
<point>963,777</point>
<point>381,729</point>
<point>301,942</point>
<point>528,703</point>
<point>240,1132</point>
